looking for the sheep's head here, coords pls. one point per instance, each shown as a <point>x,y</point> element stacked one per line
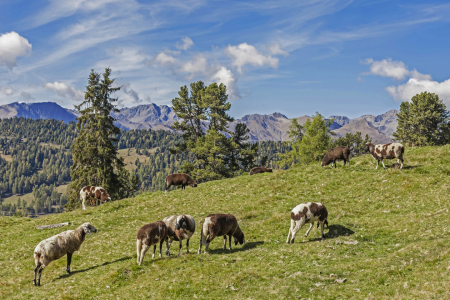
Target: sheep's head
<point>193,183</point>
<point>88,228</point>
<point>239,239</point>
<point>181,223</point>
<point>325,161</point>
<point>368,147</point>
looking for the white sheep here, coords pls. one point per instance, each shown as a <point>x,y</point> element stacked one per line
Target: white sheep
<point>57,246</point>
<point>180,227</point>
<point>307,213</point>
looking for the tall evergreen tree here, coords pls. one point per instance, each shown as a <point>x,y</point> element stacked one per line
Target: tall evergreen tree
<point>95,157</point>
<point>423,121</point>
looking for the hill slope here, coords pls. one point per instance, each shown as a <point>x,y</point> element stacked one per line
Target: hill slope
<point>399,220</point>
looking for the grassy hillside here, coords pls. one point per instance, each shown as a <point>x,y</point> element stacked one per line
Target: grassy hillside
<point>388,237</point>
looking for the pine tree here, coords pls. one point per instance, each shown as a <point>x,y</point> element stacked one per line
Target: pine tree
<point>423,121</point>
<point>95,158</point>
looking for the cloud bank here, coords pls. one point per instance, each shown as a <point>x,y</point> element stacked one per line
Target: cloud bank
<point>12,46</point>
<point>64,90</point>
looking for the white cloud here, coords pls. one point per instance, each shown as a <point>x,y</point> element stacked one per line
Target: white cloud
<point>414,86</point>
<point>275,49</point>
<point>27,96</point>
<point>197,66</point>
<point>187,43</point>
<point>64,90</point>
<point>12,46</point>
<point>165,59</point>
<point>245,54</point>
<point>225,76</point>
<point>7,90</point>
<point>387,68</point>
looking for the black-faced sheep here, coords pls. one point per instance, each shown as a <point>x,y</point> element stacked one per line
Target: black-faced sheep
<point>220,225</point>
<point>97,193</point>
<point>148,235</point>
<point>307,213</point>
<point>180,227</point>
<point>338,153</point>
<point>386,151</point>
<point>59,245</point>
<point>179,179</point>
<point>257,170</point>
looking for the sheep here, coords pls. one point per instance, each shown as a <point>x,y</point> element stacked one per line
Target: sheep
<point>179,179</point>
<point>148,235</point>
<point>338,153</point>
<point>97,193</point>
<point>257,170</point>
<point>386,151</point>
<point>218,225</point>
<point>180,227</point>
<point>307,213</point>
<point>57,246</point>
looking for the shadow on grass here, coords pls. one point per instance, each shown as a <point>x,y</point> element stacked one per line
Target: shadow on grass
<point>94,267</point>
<point>411,167</point>
<point>245,247</point>
<point>334,231</point>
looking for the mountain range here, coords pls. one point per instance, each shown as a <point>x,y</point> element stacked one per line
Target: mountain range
<point>272,127</point>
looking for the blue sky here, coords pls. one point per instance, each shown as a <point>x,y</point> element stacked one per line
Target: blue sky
<point>295,57</point>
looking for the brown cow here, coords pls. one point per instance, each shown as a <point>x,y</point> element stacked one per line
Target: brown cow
<point>386,151</point>
<point>98,193</point>
<point>179,179</point>
<point>257,170</point>
<point>338,153</point>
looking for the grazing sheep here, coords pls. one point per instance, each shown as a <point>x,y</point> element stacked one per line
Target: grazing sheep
<point>57,246</point>
<point>97,193</point>
<point>386,151</point>
<point>220,225</point>
<point>179,179</point>
<point>257,170</point>
<point>148,235</point>
<point>307,213</point>
<point>338,153</point>
<point>180,227</point>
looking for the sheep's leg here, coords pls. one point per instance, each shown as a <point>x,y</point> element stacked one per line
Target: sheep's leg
<point>208,241</point>
<point>224,242</point>
<point>138,250</point>
<point>384,168</point>
<point>310,226</point>
<point>82,202</point>
<point>160,248</point>
<point>154,251</point>
<point>229,241</point>
<point>69,260</point>
<point>40,273</point>
<point>167,187</point>
<point>298,226</point>
<point>398,162</point>
<point>168,243</point>
<point>187,245</point>
<point>378,162</point>
<point>179,251</point>
<point>201,242</point>
<point>35,272</point>
<point>335,164</point>
<point>321,229</point>
<point>143,251</point>
<point>289,234</point>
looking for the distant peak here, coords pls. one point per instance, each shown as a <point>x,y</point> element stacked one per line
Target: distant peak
<point>279,115</point>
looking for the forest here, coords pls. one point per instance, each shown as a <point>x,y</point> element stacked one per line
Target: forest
<point>36,156</point>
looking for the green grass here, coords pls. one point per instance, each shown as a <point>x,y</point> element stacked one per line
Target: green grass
<point>399,219</point>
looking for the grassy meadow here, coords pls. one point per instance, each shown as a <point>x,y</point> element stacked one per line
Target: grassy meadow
<point>388,238</point>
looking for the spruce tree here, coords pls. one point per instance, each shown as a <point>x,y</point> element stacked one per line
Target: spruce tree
<point>95,158</point>
<point>423,121</point>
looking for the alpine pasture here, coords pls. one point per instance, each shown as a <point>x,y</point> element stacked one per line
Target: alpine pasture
<point>388,238</point>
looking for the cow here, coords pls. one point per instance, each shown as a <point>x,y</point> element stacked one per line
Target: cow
<point>99,194</point>
<point>257,170</point>
<point>386,151</point>
<point>179,179</point>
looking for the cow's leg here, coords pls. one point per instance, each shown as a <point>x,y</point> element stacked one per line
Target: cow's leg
<point>309,229</point>
<point>69,260</point>
<point>224,242</point>
<point>384,167</point>
<point>187,245</point>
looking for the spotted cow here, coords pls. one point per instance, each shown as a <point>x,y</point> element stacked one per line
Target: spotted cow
<point>386,151</point>
<point>97,193</point>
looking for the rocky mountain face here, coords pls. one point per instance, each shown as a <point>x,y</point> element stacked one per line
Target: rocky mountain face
<point>272,127</point>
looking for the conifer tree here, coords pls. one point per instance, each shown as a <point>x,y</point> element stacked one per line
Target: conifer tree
<point>95,157</point>
<point>423,121</point>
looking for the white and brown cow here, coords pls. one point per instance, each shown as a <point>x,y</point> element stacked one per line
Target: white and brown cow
<point>386,151</point>
<point>307,213</point>
<point>99,194</point>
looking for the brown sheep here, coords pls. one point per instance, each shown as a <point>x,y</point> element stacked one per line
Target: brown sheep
<point>148,235</point>
<point>220,225</point>
<point>338,153</point>
<point>257,170</point>
<point>179,179</point>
